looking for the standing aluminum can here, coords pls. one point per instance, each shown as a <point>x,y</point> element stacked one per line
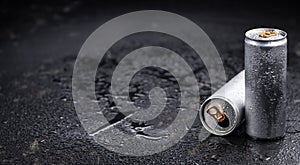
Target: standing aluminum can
<point>265,80</point>
<point>223,111</point>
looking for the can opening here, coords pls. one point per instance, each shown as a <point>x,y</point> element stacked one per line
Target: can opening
<point>224,123</point>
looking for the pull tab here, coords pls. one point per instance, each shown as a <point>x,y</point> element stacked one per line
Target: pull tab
<point>217,113</point>
<point>267,34</point>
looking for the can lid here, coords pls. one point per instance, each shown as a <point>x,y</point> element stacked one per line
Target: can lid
<point>218,116</point>
<point>266,34</point>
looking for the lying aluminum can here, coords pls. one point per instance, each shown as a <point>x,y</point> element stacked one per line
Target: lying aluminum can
<point>265,77</point>
<point>222,112</point>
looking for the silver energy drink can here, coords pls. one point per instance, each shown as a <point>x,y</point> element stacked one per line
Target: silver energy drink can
<point>223,111</point>
<point>265,77</point>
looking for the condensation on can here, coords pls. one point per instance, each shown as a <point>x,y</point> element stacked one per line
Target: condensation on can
<point>265,80</point>
<point>231,100</point>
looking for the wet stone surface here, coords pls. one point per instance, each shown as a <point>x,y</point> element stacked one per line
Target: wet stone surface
<point>39,124</point>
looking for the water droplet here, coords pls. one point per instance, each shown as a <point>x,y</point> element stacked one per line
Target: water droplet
<point>63,98</point>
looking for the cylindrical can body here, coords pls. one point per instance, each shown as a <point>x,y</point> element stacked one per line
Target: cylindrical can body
<point>230,99</point>
<point>265,82</point>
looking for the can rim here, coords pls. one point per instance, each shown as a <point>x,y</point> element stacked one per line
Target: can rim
<point>253,34</point>
<point>219,133</point>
